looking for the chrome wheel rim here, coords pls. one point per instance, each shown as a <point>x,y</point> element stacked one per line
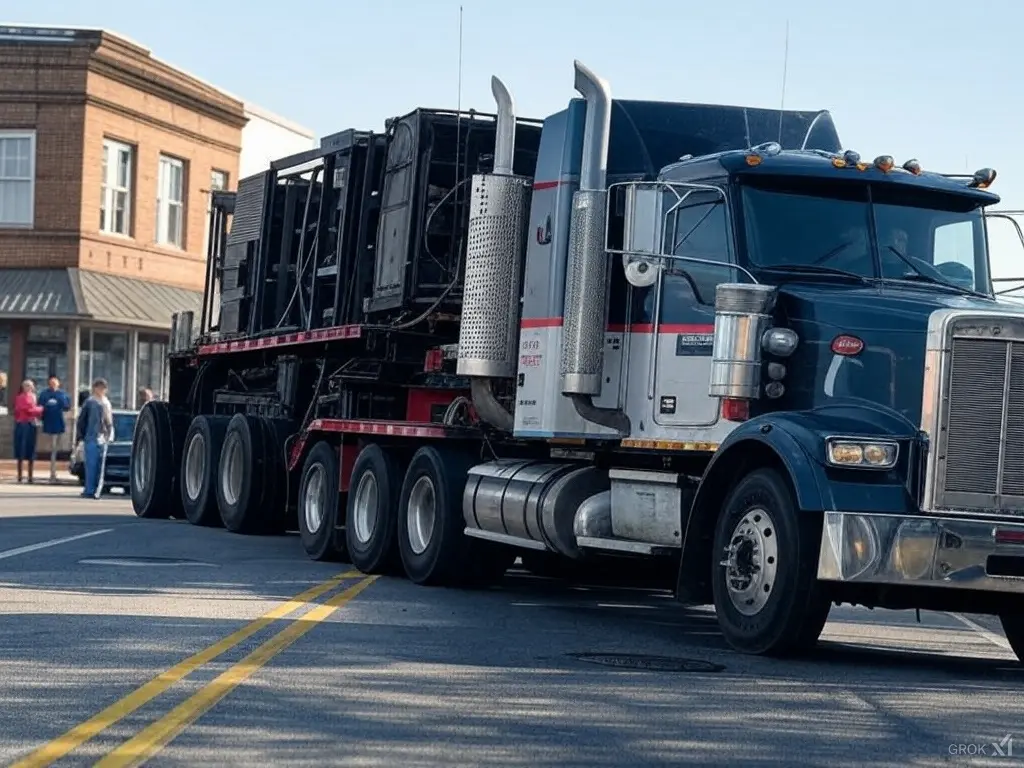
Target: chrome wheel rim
<point>364,508</point>
<point>420,514</point>
<point>231,479</point>
<point>141,462</point>
<point>751,562</point>
<point>313,500</point>
<point>195,465</point>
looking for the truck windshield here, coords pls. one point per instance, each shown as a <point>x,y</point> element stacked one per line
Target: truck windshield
<point>872,231</point>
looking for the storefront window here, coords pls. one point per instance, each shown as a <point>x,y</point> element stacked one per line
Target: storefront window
<point>46,352</point>
<point>151,367</point>
<point>103,355</point>
<point>5,366</point>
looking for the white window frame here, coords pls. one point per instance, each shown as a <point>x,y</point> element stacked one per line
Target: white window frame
<point>223,178</point>
<point>218,177</point>
<point>30,179</point>
<point>109,187</point>
<point>164,203</point>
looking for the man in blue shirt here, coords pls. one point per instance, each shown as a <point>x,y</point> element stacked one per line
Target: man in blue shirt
<point>55,404</point>
<point>95,425</point>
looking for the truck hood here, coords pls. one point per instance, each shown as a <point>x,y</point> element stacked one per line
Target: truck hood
<point>891,320</point>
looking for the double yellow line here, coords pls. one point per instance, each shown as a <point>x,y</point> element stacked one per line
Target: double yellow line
<point>158,734</point>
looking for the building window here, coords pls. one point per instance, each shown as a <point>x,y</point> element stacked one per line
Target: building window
<point>218,183</point>
<point>103,355</point>
<point>8,387</point>
<point>170,202</point>
<point>151,366</point>
<point>46,352</point>
<point>116,190</point>
<point>17,178</point>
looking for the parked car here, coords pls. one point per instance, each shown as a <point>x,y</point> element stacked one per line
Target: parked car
<point>119,452</point>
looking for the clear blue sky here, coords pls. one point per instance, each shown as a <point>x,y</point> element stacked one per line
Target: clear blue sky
<point>939,81</point>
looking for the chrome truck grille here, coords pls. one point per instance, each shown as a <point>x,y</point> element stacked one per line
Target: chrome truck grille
<point>974,413</point>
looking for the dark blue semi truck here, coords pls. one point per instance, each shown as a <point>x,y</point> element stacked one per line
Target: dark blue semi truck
<point>634,331</point>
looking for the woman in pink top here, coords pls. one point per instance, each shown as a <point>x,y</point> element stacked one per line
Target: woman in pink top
<point>26,412</point>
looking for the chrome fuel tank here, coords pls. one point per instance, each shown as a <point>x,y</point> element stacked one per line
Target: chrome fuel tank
<point>532,500</point>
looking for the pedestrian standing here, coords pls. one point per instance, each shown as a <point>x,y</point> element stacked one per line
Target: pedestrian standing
<point>95,424</point>
<point>55,403</point>
<point>26,412</point>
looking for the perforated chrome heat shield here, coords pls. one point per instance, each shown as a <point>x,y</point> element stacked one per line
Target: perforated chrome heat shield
<point>585,296</point>
<point>489,330</point>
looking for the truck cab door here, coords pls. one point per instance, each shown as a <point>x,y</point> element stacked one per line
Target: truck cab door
<point>684,311</point>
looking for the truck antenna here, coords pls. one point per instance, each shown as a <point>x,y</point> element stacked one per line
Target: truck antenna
<point>785,67</point>
<point>458,107</point>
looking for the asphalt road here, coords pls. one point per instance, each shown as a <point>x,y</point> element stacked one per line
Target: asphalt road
<point>109,661</point>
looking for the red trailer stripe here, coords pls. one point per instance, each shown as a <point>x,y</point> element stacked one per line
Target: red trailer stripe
<point>389,428</point>
<point>283,340</point>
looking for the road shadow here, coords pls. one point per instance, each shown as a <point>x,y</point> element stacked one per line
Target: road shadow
<point>474,692</point>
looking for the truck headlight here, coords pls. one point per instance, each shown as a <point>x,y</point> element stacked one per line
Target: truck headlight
<point>862,454</point>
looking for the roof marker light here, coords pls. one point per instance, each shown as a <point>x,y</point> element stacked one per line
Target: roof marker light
<point>884,163</point>
<point>912,166</point>
<point>851,157</point>
<point>768,148</point>
<point>753,160</point>
<point>983,178</point>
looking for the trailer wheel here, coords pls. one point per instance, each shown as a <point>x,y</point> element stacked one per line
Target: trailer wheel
<point>431,539</point>
<point>248,484</point>
<point>765,558</point>
<point>152,487</point>
<point>370,510</point>
<point>318,503</point>
<point>199,464</point>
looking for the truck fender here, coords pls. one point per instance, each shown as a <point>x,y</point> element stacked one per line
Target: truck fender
<point>756,443</point>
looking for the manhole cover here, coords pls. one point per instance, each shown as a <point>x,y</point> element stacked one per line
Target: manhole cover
<point>145,562</point>
<point>649,663</point>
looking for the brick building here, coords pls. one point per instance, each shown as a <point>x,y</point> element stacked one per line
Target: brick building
<point>107,158</point>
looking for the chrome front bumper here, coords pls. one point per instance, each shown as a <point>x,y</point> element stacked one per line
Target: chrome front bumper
<point>922,551</point>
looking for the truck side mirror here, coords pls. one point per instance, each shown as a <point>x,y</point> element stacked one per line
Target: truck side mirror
<point>642,232</point>
<point>643,220</point>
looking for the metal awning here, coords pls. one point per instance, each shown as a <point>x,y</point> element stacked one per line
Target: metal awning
<point>69,294</point>
<point>38,293</point>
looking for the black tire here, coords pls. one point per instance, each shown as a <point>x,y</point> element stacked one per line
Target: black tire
<point>792,617</point>
<point>152,486</point>
<point>200,458</point>
<point>435,550</point>
<point>318,503</point>
<point>249,482</point>
<point>371,511</point>
<point>1013,628</point>
<point>279,433</point>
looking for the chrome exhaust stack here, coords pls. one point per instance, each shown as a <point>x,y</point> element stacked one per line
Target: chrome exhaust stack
<point>586,285</point>
<point>499,212</point>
